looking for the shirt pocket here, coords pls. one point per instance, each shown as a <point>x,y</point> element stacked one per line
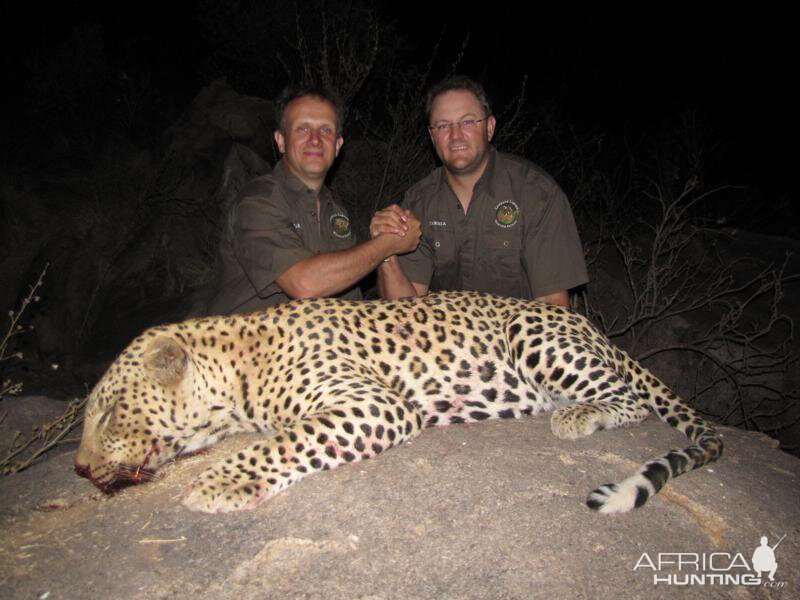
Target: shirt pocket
<point>444,249</point>
<point>446,268</point>
<point>502,264</point>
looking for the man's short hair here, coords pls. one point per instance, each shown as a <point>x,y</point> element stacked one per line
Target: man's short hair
<point>293,92</point>
<point>457,82</point>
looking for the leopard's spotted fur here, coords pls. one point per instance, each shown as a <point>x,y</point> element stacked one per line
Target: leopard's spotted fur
<point>339,381</point>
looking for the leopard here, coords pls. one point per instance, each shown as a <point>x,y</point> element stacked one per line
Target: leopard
<point>326,382</point>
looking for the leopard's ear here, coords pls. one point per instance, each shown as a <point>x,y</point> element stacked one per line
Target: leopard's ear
<point>165,360</point>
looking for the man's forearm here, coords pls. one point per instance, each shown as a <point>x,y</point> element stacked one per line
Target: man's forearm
<point>393,282</point>
<point>559,298</point>
<point>332,272</point>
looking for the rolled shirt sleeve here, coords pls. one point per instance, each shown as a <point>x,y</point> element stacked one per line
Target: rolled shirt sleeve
<point>552,255</point>
<point>419,264</point>
<point>266,242</point>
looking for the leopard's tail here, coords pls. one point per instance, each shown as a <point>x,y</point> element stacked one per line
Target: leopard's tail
<point>706,447</point>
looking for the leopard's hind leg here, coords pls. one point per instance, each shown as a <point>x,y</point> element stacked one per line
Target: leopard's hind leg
<point>570,363</point>
<point>615,406</point>
<point>574,362</point>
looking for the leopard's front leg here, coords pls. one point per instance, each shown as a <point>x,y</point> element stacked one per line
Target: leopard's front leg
<point>347,431</point>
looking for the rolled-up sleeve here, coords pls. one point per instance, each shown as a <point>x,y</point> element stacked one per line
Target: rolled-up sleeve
<point>553,253</point>
<point>419,264</point>
<point>265,241</point>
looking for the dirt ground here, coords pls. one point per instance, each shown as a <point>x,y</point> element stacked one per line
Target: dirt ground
<point>491,510</point>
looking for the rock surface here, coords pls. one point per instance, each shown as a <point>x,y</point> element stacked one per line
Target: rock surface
<point>491,510</point>
<point>20,417</point>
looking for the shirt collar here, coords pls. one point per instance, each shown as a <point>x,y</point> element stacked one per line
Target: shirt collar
<point>487,177</point>
<point>299,190</point>
<point>485,180</point>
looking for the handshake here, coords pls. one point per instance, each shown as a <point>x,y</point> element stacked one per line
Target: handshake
<point>397,228</point>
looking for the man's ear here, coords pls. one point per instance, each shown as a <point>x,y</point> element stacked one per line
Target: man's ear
<point>490,125</point>
<point>339,144</point>
<point>281,141</point>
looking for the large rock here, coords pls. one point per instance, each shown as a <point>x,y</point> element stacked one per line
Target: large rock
<point>130,238</point>
<point>220,141</point>
<point>22,418</point>
<point>492,510</point>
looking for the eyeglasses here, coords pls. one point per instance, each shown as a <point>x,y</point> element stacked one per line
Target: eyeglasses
<point>465,125</point>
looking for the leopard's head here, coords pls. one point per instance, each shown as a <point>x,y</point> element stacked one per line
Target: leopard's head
<point>144,411</point>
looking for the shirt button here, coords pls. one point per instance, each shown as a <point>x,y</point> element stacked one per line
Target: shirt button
<point>437,244</point>
<point>505,243</point>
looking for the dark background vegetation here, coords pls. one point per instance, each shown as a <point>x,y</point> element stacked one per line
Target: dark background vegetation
<point>672,134</point>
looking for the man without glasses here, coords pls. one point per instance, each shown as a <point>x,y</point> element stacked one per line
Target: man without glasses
<point>286,236</point>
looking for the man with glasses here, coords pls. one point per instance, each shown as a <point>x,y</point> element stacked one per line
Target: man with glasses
<point>490,221</point>
<point>286,236</point>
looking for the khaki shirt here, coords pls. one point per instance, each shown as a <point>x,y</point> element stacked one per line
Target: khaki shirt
<point>272,226</point>
<point>518,237</point>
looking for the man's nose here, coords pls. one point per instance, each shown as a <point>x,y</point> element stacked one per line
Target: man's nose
<point>457,129</point>
<point>456,132</point>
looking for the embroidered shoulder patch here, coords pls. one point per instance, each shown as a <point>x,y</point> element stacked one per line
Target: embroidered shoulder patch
<point>506,214</point>
<point>340,225</point>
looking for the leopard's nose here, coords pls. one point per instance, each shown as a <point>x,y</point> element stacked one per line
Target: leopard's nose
<point>83,470</point>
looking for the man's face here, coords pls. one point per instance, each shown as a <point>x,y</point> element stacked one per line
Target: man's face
<point>463,151</point>
<point>309,141</point>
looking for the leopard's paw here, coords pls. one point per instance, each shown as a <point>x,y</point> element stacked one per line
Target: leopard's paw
<point>577,420</point>
<point>214,492</point>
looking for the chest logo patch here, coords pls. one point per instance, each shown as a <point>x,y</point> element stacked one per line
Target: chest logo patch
<point>506,214</point>
<point>340,225</point>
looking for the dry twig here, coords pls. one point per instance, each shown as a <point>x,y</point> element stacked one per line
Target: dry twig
<point>43,439</point>
<point>9,387</point>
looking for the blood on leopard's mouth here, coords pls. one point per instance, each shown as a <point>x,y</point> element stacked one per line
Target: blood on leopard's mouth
<point>128,476</point>
<point>125,477</point>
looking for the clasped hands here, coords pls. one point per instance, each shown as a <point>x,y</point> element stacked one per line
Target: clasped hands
<point>398,227</point>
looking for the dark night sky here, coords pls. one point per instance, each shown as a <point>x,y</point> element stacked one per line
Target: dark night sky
<point>628,72</point>
<point>607,72</point>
